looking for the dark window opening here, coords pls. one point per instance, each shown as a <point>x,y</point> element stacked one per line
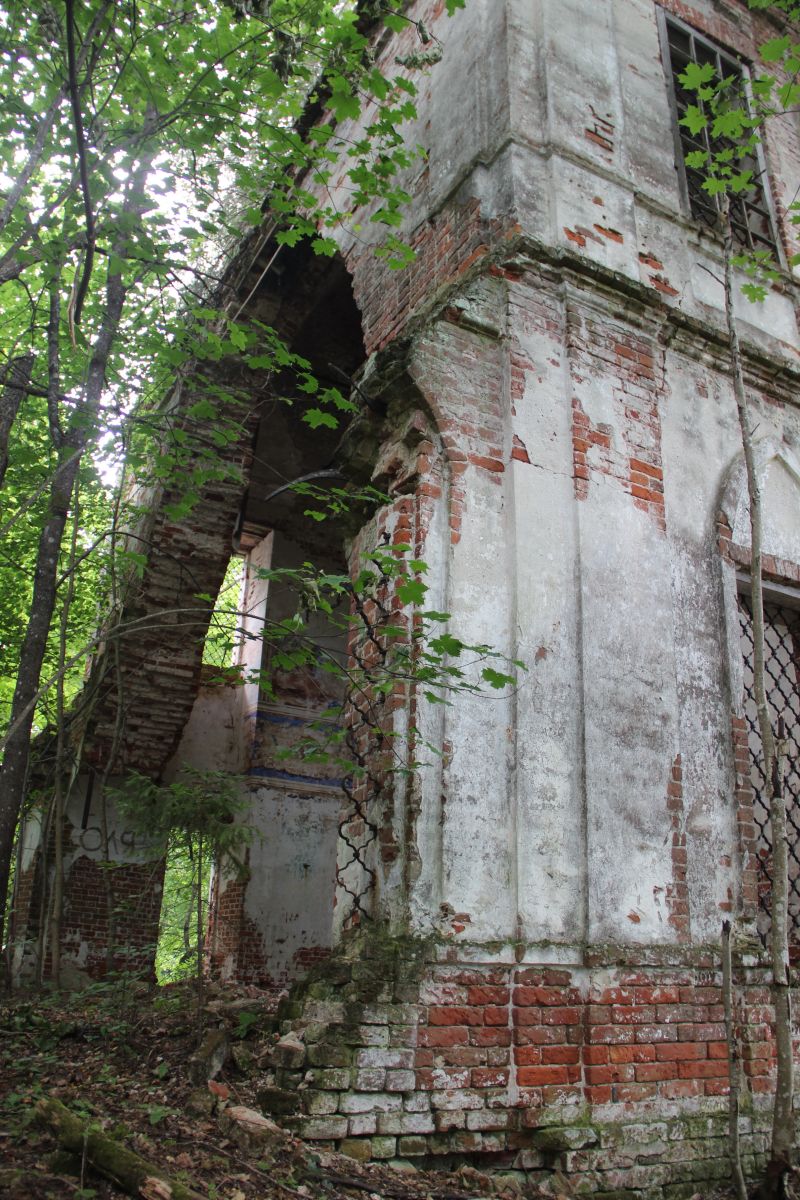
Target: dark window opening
<point>751,212</point>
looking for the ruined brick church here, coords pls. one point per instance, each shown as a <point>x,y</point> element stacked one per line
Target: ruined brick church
<point>546,399</point>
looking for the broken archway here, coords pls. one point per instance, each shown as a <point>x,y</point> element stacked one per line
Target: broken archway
<point>140,710</point>
<point>334,836</point>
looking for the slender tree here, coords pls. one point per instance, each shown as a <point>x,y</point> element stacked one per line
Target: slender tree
<point>735,116</point>
<point>143,143</point>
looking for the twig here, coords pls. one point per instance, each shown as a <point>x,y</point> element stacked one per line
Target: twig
<point>733,1065</point>
<point>80,144</point>
<point>84,1152</point>
<point>241,1162</point>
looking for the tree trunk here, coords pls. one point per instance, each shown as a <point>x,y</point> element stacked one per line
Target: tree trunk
<point>15,379</point>
<point>737,1176</point>
<point>135,1175</point>
<point>14,769</point>
<point>782,1117</point>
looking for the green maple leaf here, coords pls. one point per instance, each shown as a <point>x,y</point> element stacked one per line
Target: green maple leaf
<point>447,644</point>
<point>694,119</point>
<point>411,591</point>
<point>774,50</point>
<point>496,679</point>
<point>316,417</point>
<point>695,75</point>
<point>730,124</point>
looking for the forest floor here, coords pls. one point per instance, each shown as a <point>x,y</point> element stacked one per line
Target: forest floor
<point>119,1059</point>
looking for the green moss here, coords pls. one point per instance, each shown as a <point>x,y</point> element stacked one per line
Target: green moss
<point>700,1126</point>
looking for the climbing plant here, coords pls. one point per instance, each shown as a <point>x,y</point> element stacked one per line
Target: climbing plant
<point>140,144</point>
<point>735,111</point>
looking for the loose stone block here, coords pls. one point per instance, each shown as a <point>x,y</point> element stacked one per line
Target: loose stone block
<point>209,1059</point>
<point>250,1130</point>
<point>289,1052</point>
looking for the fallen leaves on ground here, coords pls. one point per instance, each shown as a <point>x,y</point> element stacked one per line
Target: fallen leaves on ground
<point>117,1056</point>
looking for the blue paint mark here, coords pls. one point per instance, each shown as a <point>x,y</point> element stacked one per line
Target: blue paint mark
<point>286,777</point>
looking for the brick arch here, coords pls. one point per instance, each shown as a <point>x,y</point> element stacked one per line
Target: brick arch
<point>156,670</point>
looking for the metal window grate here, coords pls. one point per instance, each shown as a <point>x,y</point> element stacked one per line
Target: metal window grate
<point>782,666</point>
<point>751,215</point>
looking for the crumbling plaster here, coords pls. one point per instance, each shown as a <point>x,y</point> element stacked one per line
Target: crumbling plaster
<point>616,608</point>
<point>565,864</point>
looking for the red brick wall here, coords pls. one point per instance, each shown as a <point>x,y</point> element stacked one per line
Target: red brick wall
<point>539,1066</point>
<point>136,890</point>
<point>635,369</point>
<point>539,1031</point>
<point>446,246</point>
<point>137,906</point>
<point>235,948</point>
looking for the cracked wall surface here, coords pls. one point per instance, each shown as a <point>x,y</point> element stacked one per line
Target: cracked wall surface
<point>547,404</point>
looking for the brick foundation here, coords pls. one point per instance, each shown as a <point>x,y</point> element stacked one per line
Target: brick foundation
<point>235,948</point>
<point>615,1076</point>
<point>85,933</point>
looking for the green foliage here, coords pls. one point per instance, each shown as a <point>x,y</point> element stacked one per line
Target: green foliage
<point>222,632</point>
<point>188,122</point>
<point>157,1113</point>
<point>197,805</point>
<point>29,456</point>
<point>245,1023</point>
<point>761,272</point>
<point>414,651</point>
<point>198,818</point>
<point>176,949</point>
<point>723,110</point>
<point>736,117</point>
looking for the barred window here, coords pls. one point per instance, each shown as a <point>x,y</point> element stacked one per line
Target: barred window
<point>782,679</point>
<point>751,212</point>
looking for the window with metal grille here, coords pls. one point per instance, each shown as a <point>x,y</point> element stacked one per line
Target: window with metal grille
<point>751,212</point>
<point>782,669</point>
